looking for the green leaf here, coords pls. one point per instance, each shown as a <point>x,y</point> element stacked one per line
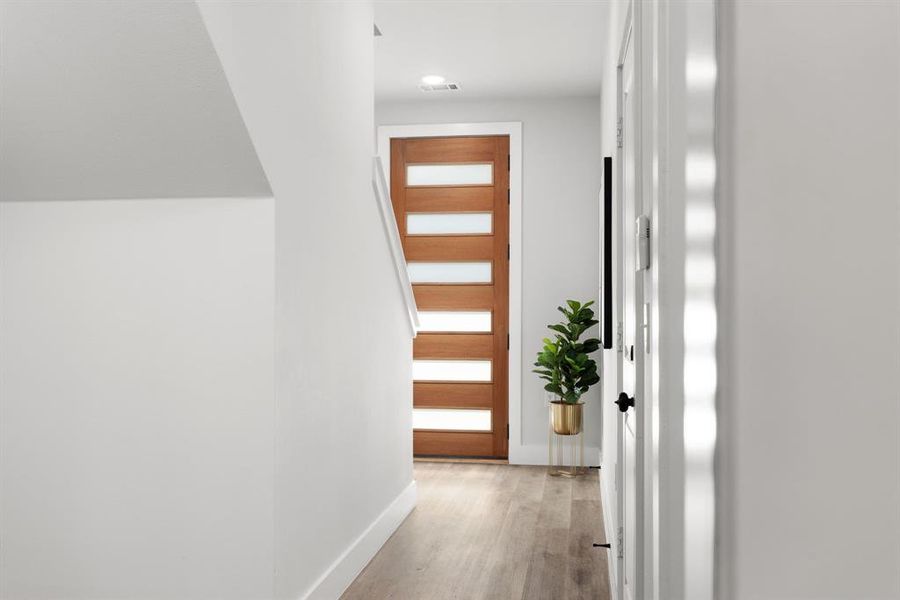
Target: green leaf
<point>594,379</point>
<point>560,328</point>
<point>564,361</point>
<point>591,345</point>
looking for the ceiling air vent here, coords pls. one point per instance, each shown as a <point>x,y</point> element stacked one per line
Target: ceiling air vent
<point>440,87</point>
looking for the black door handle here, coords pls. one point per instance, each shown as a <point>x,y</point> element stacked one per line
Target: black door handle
<point>625,402</point>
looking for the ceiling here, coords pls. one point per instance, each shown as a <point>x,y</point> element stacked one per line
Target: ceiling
<point>492,48</point>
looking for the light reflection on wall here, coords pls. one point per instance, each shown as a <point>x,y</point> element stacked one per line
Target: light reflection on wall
<point>700,325</point>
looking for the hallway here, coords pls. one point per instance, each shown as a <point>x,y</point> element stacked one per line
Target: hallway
<point>493,532</point>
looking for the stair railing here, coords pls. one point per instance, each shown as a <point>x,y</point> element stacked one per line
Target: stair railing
<point>392,234</point>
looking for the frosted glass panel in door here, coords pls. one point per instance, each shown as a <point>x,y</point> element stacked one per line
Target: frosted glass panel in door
<point>451,370</point>
<point>449,223</point>
<point>458,174</point>
<point>455,321</point>
<point>452,419</point>
<point>449,272</point>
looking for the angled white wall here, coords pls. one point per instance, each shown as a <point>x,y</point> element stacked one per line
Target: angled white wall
<point>810,405</point>
<point>302,75</point>
<point>117,100</point>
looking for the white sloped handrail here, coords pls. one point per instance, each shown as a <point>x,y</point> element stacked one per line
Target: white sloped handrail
<point>392,234</point>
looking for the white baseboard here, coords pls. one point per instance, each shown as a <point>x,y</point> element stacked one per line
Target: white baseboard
<point>536,454</point>
<point>606,487</point>
<point>348,565</point>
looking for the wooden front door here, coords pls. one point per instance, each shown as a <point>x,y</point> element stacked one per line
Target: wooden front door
<point>451,201</point>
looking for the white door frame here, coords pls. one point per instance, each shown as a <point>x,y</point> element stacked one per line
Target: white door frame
<point>638,46</point>
<point>519,453</point>
<point>676,55</point>
<point>629,50</point>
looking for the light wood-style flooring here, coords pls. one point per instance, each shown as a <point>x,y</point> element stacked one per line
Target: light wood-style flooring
<point>486,531</point>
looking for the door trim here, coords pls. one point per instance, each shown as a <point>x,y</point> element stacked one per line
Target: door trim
<point>518,452</point>
<point>632,49</point>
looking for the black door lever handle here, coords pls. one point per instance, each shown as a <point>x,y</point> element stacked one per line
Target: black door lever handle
<point>624,402</point>
<point>602,545</point>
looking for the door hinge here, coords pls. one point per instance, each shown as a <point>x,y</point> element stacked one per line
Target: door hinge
<point>508,252</point>
<point>507,431</point>
<point>620,346</point>
<point>507,341</point>
<point>508,196</point>
<point>508,162</point>
<point>619,133</point>
<point>620,543</point>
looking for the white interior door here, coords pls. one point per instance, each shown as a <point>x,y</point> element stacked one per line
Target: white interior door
<point>631,322</point>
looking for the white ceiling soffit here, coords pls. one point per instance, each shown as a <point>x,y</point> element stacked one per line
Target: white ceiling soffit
<point>492,48</point>
<point>116,100</point>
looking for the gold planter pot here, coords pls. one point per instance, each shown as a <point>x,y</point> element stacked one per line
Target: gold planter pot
<point>566,418</point>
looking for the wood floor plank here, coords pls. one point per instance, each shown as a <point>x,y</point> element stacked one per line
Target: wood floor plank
<point>506,568</point>
<point>547,568</point>
<point>586,488</point>
<point>586,575</point>
<point>492,532</point>
<point>455,532</point>
<point>485,532</point>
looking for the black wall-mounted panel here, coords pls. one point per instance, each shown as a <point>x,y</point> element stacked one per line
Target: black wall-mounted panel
<point>607,300</point>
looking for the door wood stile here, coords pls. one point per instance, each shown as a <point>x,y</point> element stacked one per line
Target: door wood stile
<point>398,187</point>
<point>441,199</point>
<point>453,297</point>
<point>449,248</point>
<point>501,293</point>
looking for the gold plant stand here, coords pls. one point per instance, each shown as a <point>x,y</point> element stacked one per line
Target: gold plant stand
<point>565,452</point>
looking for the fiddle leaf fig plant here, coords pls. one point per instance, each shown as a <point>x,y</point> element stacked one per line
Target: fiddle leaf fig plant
<point>563,361</point>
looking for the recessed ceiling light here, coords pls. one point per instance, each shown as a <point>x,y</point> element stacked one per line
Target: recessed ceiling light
<point>432,80</point>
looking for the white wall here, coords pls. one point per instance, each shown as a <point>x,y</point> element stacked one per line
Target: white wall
<point>810,438</point>
<point>302,74</point>
<point>136,399</point>
<point>562,170</point>
<point>200,398</point>
<point>117,100</point>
